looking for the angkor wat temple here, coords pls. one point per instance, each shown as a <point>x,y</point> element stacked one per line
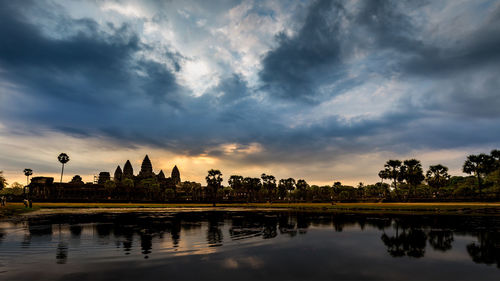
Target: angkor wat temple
<point>124,186</point>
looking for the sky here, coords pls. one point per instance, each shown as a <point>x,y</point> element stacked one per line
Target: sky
<point>320,90</point>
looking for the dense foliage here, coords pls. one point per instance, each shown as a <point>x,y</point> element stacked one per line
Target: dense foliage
<point>405,181</point>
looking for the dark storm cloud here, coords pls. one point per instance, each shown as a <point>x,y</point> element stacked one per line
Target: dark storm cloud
<point>90,66</point>
<point>464,75</point>
<point>383,30</point>
<point>317,54</point>
<point>479,49</point>
<point>89,82</point>
<point>291,70</point>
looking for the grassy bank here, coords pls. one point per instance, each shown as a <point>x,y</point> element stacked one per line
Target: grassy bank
<point>403,208</point>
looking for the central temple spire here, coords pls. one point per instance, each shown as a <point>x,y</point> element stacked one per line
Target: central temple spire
<point>146,168</point>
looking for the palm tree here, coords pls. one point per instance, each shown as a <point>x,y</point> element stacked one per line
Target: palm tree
<point>413,174</point>
<point>63,158</point>
<point>478,165</point>
<point>392,170</point>
<point>214,180</point>
<point>437,177</point>
<point>28,173</point>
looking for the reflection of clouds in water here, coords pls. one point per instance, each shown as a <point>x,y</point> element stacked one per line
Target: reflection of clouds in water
<point>192,235</point>
<point>241,262</point>
<point>230,263</point>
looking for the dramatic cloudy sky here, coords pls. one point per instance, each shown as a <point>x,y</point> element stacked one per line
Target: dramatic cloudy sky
<point>321,90</point>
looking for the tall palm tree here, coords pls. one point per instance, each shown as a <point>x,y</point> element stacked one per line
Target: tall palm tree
<point>28,173</point>
<point>437,177</point>
<point>413,174</point>
<point>63,158</point>
<point>214,180</point>
<point>393,170</point>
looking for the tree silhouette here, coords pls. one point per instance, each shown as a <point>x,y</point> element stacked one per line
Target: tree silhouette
<point>282,190</point>
<point>269,184</point>
<point>495,153</point>
<point>479,165</point>
<point>393,171</point>
<point>286,186</point>
<point>252,185</point>
<point>28,172</point>
<point>236,183</point>
<point>77,179</point>
<point>301,188</point>
<point>214,180</point>
<point>63,158</point>
<point>437,177</point>
<point>413,174</point>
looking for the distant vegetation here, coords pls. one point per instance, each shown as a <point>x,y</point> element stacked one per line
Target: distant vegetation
<point>400,181</point>
<point>406,181</point>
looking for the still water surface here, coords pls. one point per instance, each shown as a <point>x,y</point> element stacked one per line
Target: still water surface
<point>241,245</point>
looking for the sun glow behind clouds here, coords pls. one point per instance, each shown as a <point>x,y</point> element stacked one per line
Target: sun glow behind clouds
<point>197,75</point>
<point>246,87</point>
<point>126,9</point>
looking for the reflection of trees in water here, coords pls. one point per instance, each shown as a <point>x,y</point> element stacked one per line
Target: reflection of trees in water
<point>104,229</point>
<point>487,250</point>
<point>40,229</point>
<point>286,225</point>
<point>175,232</point>
<point>62,252</point>
<point>76,230</point>
<point>214,233</point>
<point>409,238</point>
<point>270,227</point>
<point>440,240</point>
<point>406,242</point>
<point>253,225</point>
<point>412,232</point>
<point>26,243</point>
<point>146,244</point>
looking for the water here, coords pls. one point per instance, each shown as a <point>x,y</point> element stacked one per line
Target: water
<point>244,245</point>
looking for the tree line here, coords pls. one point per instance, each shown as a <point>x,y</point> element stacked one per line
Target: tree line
<point>400,181</point>
<point>406,180</point>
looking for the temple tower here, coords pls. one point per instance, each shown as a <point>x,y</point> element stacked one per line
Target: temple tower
<point>161,175</point>
<point>176,175</point>
<point>118,174</point>
<point>128,171</point>
<point>146,169</point>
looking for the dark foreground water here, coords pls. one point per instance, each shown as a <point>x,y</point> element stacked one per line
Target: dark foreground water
<point>224,245</point>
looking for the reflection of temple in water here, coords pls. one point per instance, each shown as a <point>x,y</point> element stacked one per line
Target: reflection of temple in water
<point>147,233</point>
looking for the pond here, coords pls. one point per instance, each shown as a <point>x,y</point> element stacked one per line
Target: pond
<point>249,245</point>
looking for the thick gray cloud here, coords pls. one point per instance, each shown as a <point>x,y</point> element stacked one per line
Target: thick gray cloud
<point>291,70</point>
<point>98,79</point>
<point>320,52</point>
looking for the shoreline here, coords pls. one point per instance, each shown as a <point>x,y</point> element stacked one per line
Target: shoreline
<point>467,208</point>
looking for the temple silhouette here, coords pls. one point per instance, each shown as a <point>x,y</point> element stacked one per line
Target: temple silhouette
<point>124,186</point>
